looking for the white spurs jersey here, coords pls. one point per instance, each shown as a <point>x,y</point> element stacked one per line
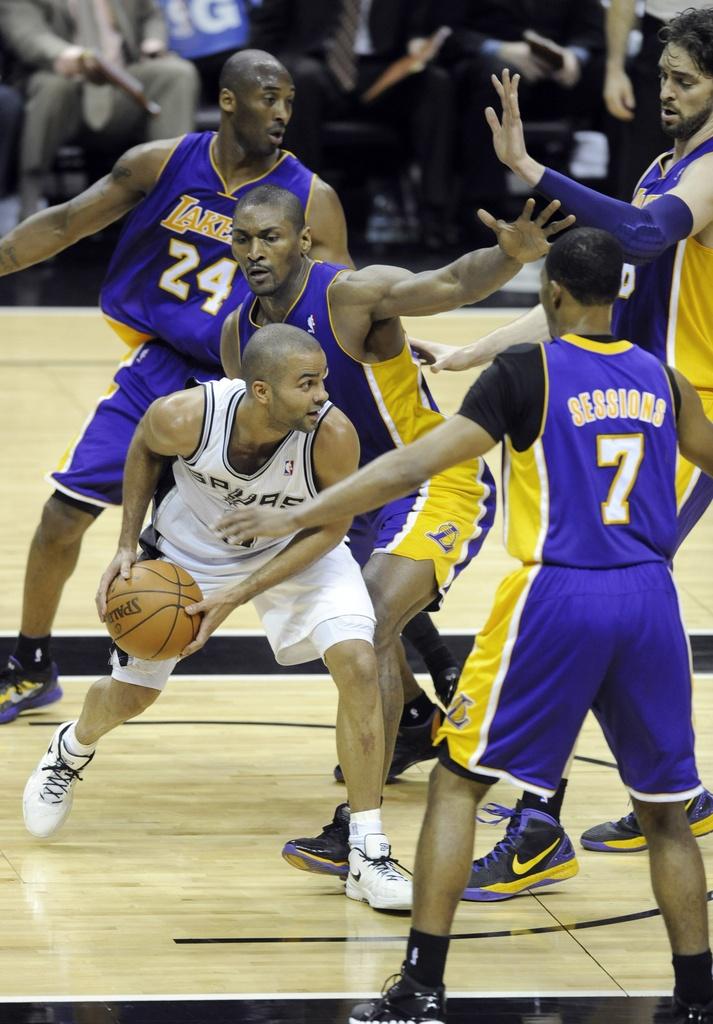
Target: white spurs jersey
<point>207,486</point>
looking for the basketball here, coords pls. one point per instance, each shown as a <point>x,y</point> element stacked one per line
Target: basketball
<point>144,614</point>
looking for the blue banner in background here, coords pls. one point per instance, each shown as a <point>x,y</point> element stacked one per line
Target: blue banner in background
<point>198,28</point>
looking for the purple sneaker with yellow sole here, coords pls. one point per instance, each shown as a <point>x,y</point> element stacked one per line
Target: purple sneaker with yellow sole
<point>625,836</point>
<point>21,690</point>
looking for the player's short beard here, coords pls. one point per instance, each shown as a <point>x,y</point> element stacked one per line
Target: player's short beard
<point>687,127</point>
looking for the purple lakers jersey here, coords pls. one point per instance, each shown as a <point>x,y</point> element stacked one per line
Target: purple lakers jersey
<point>666,306</point>
<point>172,275</point>
<point>596,490</point>
<point>388,402</point>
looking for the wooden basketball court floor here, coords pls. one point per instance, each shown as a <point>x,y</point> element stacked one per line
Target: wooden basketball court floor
<point>166,891</point>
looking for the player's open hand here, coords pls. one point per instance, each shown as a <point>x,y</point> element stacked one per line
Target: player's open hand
<point>526,239</point>
<point>508,134</point>
<point>215,608</point>
<point>240,525</point>
<point>461,358</point>
<point>430,353</point>
<point>120,565</point>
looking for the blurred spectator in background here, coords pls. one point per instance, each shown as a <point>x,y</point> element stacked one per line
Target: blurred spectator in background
<point>10,118</point>
<point>337,49</point>
<point>562,78</point>
<point>631,90</point>
<point>207,33</point>
<point>50,39</point>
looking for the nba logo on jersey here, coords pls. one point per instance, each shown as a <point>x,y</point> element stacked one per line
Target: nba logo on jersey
<point>311,324</point>
<point>457,713</point>
<point>289,467</point>
<point>446,536</point>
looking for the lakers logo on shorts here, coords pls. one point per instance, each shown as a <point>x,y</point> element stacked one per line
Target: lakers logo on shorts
<point>457,713</point>
<point>446,536</point>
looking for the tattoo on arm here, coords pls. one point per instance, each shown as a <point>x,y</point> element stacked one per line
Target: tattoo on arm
<point>120,171</point>
<point>8,258</point>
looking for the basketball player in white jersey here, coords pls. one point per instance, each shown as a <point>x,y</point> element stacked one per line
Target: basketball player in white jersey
<point>272,439</point>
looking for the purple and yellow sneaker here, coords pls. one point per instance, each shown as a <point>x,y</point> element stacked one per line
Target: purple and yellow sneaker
<point>625,836</point>
<point>534,851</point>
<point>22,691</point>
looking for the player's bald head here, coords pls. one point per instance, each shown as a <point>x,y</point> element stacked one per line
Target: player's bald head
<point>247,67</point>
<point>273,198</point>
<point>275,350</point>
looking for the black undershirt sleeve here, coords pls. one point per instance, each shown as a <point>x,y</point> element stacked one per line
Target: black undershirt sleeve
<point>676,391</point>
<point>509,397</point>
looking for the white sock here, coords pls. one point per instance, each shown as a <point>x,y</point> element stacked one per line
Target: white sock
<point>73,747</point>
<point>363,824</point>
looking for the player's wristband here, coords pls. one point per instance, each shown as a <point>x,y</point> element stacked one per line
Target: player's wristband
<point>642,233</point>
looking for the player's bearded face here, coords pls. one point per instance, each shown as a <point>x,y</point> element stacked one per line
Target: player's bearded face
<point>686,95</point>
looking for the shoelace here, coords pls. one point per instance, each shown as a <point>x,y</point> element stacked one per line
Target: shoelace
<point>60,777</point>
<point>386,866</point>
<point>507,843</point>
<point>497,814</point>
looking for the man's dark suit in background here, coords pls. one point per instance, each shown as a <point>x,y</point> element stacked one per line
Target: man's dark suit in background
<point>487,36</point>
<point>299,32</point>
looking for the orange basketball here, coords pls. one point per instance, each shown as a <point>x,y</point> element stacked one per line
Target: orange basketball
<point>144,614</point>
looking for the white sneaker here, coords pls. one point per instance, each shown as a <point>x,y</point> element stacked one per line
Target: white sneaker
<point>48,796</point>
<point>376,879</point>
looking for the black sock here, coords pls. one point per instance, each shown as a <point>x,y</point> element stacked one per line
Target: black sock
<point>424,636</point>
<point>694,984</point>
<point>426,958</point>
<point>551,805</point>
<point>33,652</point>
<point>417,711</point>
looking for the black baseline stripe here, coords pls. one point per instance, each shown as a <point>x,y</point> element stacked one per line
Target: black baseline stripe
<point>601,922</point>
<point>79,655</point>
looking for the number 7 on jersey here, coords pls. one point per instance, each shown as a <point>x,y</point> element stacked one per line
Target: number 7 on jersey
<point>626,452</point>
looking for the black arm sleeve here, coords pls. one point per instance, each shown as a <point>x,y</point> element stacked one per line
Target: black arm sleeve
<point>509,397</point>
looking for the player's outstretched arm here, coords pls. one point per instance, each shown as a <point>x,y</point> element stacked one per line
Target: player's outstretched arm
<point>643,232</point>
<point>328,225</point>
<point>695,430</point>
<point>386,478</point>
<point>393,291</point>
<point>335,456</point>
<point>530,327</point>
<point>50,231</point>
<point>170,426</point>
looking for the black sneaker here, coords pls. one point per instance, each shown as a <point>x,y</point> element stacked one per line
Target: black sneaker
<point>327,853</point>
<point>405,1002</point>
<point>534,851</point>
<point>21,690</point>
<point>691,1012</point>
<point>414,743</point>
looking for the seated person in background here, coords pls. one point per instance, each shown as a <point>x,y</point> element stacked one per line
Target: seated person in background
<point>50,42</point>
<point>10,118</point>
<point>337,49</point>
<point>488,36</point>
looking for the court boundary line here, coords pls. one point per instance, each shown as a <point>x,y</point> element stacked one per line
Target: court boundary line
<point>309,996</point>
<point>98,631</point>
